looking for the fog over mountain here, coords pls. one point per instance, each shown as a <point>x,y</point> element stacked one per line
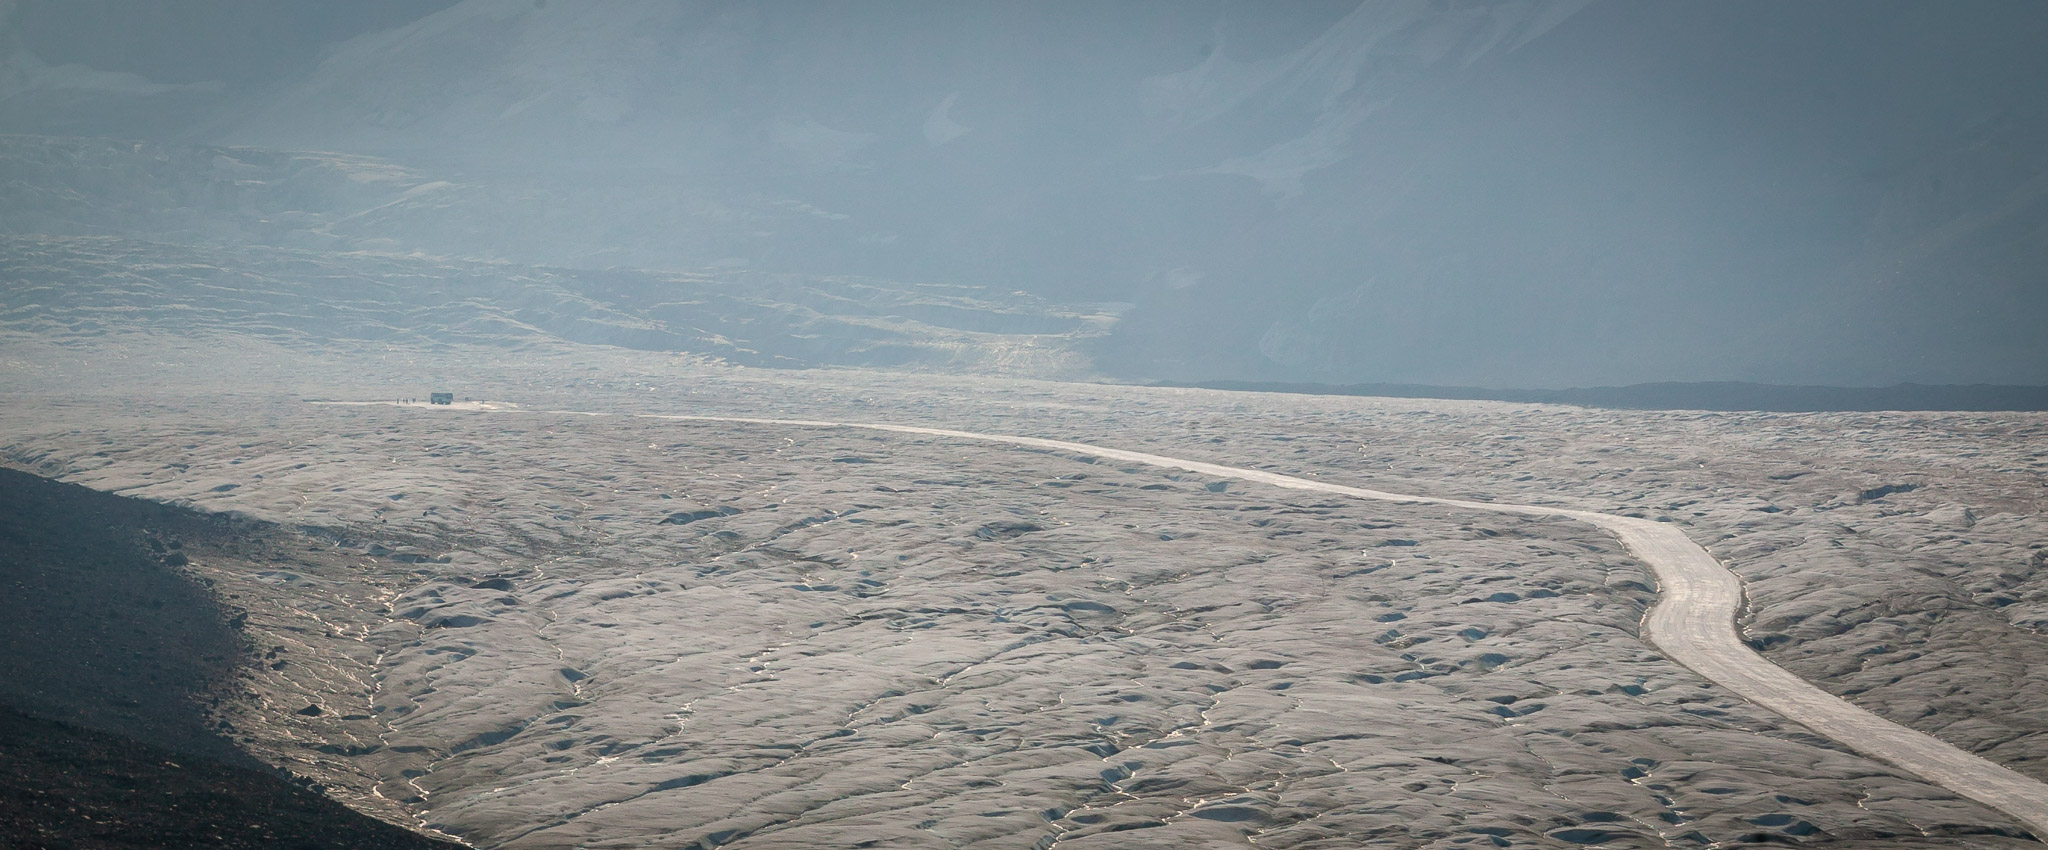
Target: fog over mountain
<point>1521,194</point>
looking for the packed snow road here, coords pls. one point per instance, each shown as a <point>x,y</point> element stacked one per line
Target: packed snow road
<point>1693,621</point>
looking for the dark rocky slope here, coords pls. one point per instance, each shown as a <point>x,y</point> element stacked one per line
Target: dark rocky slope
<point>111,658</point>
<point>64,787</point>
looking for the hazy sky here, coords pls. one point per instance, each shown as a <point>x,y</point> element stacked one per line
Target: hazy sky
<point>1514,193</point>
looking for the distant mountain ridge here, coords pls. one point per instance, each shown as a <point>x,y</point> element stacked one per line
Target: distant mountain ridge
<point>86,287</point>
<point>1575,192</point>
<point>1705,395</point>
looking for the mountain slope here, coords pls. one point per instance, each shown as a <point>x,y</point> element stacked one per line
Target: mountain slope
<point>85,287</point>
<point>1492,193</point>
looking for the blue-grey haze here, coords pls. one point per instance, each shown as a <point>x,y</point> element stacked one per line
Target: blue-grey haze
<point>1514,193</point>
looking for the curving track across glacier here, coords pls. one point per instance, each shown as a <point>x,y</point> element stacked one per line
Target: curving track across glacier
<point>1693,622</point>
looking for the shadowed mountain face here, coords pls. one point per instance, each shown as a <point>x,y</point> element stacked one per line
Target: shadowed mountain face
<point>101,629</point>
<point>1501,194</point>
<point>116,662</point>
<point>67,788</point>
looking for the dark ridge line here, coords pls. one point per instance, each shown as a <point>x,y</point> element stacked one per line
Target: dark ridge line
<point>1728,396</point>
